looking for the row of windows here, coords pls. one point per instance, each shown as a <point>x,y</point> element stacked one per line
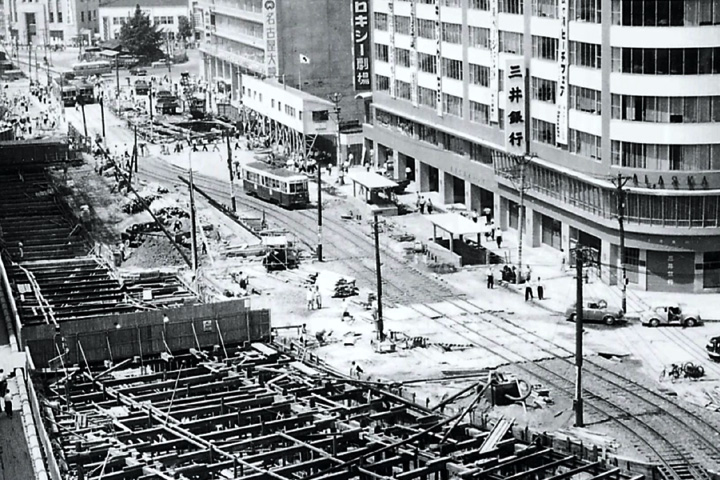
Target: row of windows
<point>584,144</point>
<point>427,63</point>
<point>585,54</point>
<point>426,29</point>
<point>579,10</point>
<point>452,105</point>
<point>542,131</point>
<point>664,13</point>
<point>668,210</point>
<point>402,57</point>
<point>511,42</point>
<point>544,47</point>
<point>451,68</point>
<point>665,157</point>
<point>427,97</point>
<point>479,113</point>
<point>479,75</point>
<point>479,37</point>
<point>543,90</point>
<point>425,133</point>
<point>666,109</point>
<point>163,20</point>
<point>451,32</point>
<point>585,100</point>
<point>666,61</point>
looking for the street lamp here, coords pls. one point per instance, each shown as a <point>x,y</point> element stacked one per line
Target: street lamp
<point>336,98</point>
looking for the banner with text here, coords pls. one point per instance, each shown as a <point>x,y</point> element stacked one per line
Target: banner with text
<point>438,58</point>
<point>391,47</point>
<point>494,61</point>
<point>562,95</point>
<point>361,44</point>
<point>413,55</point>
<point>269,12</point>
<point>514,106</point>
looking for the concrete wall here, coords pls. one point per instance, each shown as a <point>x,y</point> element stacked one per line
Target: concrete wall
<point>117,337</point>
<point>321,30</point>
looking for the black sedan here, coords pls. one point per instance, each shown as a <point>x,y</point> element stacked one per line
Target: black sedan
<point>713,348</point>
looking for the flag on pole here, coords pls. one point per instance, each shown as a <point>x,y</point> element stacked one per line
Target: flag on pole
<point>304,59</point>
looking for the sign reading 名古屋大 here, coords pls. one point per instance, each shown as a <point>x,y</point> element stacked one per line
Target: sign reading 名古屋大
<point>515,106</point>
<point>438,58</point>
<point>361,44</point>
<point>562,94</point>
<point>391,46</point>
<point>494,61</point>
<point>413,55</point>
<point>269,12</point>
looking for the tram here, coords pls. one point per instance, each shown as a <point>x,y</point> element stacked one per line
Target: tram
<point>85,91</point>
<point>276,185</point>
<point>86,69</point>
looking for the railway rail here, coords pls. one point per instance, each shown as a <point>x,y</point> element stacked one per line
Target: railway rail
<point>680,440</point>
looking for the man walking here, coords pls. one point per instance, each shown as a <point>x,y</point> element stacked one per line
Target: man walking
<point>491,277</point>
<point>540,289</point>
<point>528,291</point>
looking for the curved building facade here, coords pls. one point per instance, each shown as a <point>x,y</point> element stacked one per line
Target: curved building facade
<point>627,88</point>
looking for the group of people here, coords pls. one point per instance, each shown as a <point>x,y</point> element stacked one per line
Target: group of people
<point>313,298</point>
<point>421,203</point>
<point>510,275</point>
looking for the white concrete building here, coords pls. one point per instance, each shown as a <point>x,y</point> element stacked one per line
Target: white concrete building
<point>163,13</point>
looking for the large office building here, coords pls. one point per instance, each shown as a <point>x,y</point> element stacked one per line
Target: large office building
<point>303,44</point>
<point>164,14</point>
<point>465,92</point>
<point>47,22</point>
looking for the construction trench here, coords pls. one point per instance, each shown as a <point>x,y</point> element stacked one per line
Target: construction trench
<point>131,385</point>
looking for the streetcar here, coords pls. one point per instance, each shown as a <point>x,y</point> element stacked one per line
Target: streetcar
<point>87,69</point>
<point>85,91</point>
<point>65,90</point>
<point>276,185</point>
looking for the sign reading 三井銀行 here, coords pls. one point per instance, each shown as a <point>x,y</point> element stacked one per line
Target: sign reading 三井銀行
<point>562,95</point>
<point>361,43</point>
<point>515,106</point>
<point>269,13</point>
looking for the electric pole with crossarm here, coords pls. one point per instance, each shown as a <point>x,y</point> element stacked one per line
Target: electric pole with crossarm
<point>619,183</point>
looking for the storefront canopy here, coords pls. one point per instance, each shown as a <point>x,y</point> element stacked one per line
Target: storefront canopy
<point>456,225</point>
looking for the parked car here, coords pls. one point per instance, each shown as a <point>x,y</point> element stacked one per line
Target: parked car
<point>713,348</point>
<point>596,310</point>
<point>670,314</point>
<point>138,71</point>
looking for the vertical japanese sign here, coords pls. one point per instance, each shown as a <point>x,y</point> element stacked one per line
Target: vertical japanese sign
<point>391,46</point>
<point>438,58</point>
<point>515,106</point>
<point>361,43</point>
<point>69,12</point>
<point>562,94</point>
<point>269,13</point>
<point>494,61</point>
<point>413,55</point>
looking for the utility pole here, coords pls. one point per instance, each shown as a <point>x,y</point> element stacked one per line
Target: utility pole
<point>136,151</point>
<point>319,213</point>
<point>578,402</point>
<point>230,170</point>
<point>193,226</point>
<point>619,183</point>
<point>518,175</point>
<point>102,115</point>
<point>82,107</point>
<point>379,314</point>
<point>335,98</point>
<point>117,77</point>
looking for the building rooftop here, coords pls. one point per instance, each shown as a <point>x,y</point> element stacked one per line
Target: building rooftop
<point>143,4</point>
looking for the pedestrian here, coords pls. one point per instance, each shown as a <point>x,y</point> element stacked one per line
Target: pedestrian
<point>429,206</point>
<point>317,298</point>
<point>358,371</point>
<point>3,382</point>
<point>204,145</point>
<point>498,239</point>
<point>352,369</point>
<point>310,298</point>
<point>528,273</point>
<point>215,147</point>
<point>408,173</point>
<point>491,277</point>
<point>540,289</point>
<point>528,291</point>
<point>563,264</point>
<point>8,404</point>
<point>243,281</point>
<point>345,310</point>
<point>474,216</point>
<point>21,250</point>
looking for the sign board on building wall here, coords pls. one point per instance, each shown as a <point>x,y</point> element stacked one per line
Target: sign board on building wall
<point>269,12</point>
<point>438,58</point>
<point>563,86</point>
<point>413,55</point>
<point>70,9</point>
<point>361,44</point>
<point>494,61</point>
<point>391,46</point>
<point>515,106</point>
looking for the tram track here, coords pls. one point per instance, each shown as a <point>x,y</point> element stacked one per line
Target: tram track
<point>653,420</point>
<point>680,440</point>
